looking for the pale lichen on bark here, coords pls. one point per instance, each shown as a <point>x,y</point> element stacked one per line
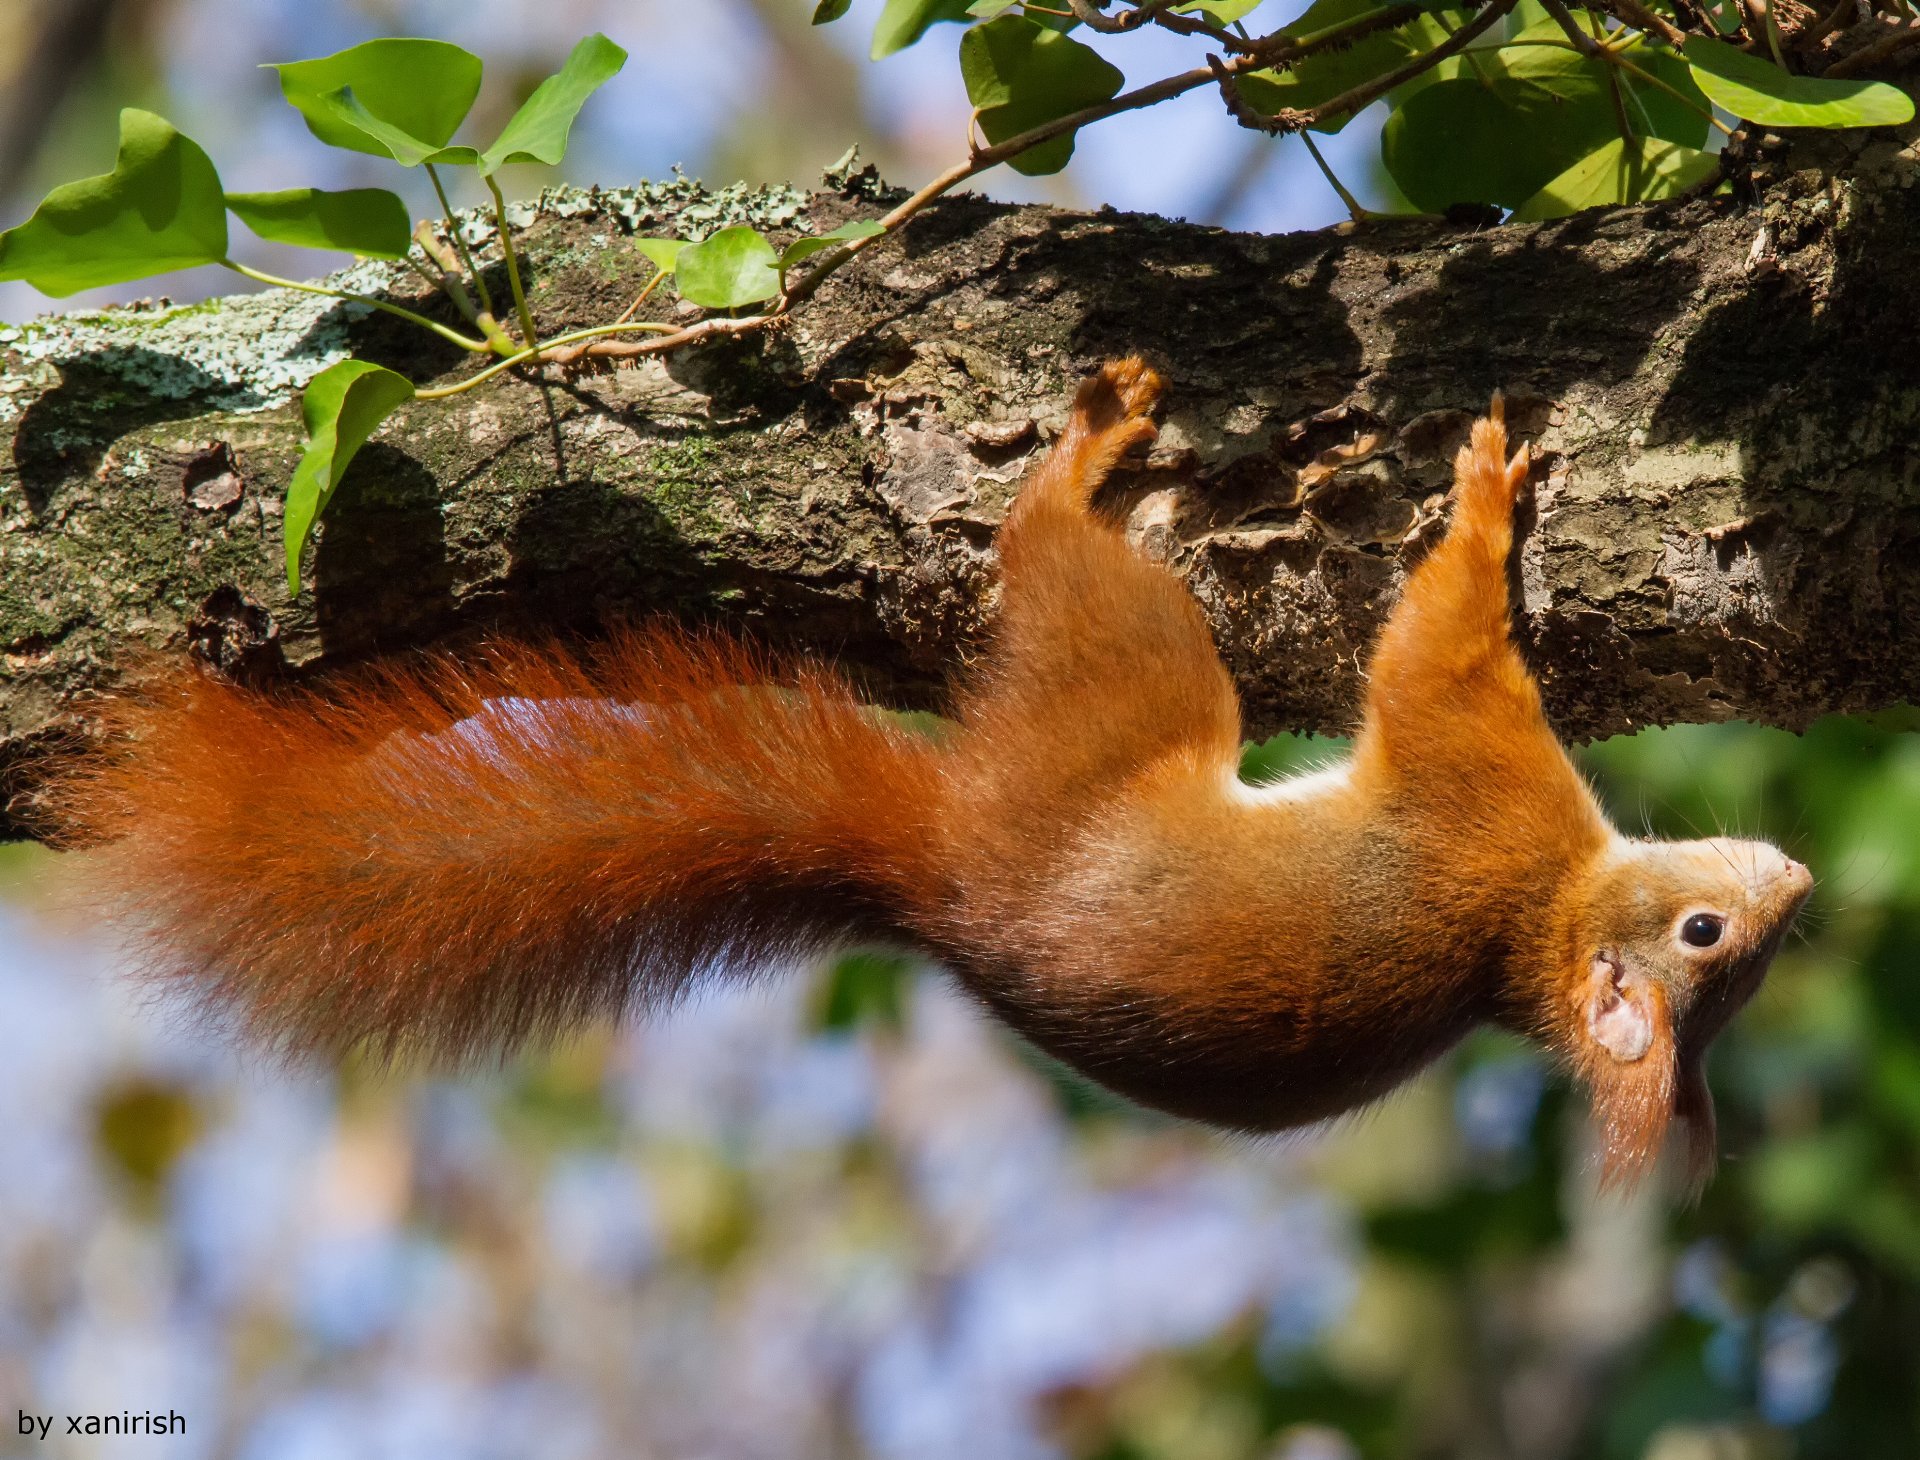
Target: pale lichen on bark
<point>1721,394</point>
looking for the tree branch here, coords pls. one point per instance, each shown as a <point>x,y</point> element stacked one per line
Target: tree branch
<point>1725,521</point>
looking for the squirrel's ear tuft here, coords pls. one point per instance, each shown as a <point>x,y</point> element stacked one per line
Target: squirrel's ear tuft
<point>1619,1009</point>
<point>1630,1060</point>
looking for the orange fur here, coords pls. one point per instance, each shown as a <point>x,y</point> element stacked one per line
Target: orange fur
<point>461,855</point>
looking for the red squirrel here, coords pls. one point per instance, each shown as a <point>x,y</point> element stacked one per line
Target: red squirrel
<point>455,856</point>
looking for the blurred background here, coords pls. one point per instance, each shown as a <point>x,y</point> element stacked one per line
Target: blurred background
<point>840,1215</point>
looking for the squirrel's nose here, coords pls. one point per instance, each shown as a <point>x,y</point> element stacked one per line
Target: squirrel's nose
<point>1799,881</point>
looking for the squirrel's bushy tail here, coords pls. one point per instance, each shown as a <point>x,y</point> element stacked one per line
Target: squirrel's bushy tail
<point>453,858</point>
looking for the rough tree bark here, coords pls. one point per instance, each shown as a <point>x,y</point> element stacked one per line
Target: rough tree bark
<point>1722,395</point>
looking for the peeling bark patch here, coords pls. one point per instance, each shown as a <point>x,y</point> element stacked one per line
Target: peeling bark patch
<point>928,473</point>
<point>211,480</point>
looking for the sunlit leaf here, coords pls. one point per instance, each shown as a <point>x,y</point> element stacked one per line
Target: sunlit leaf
<point>1224,11</point>
<point>159,209</point>
<point>538,131</point>
<point>1619,172</point>
<point>345,109</point>
<point>805,248</point>
<point>663,253</point>
<point>904,21</point>
<point>343,405</point>
<point>733,267</point>
<point>369,221</point>
<point>419,89</point>
<point>1020,75</point>
<point>1756,90</point>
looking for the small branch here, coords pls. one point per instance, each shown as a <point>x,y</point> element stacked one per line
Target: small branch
<point>501,342</point>
<point>984,158</point>
<point>1872,54</point>
<point>442,276</point>
<point>1585,44</point>
<point>1824,27</point>
<point>1633,13</point>
<point>527,331</point>
<point>1369,92</point>
<point>477,346</point>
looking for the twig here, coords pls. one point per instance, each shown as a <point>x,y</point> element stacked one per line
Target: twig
<point>983,158</point>
<point>1585,44</point>
<point>442,276</point>
<point>481,319</point>
<point>1824,27</point>
<point>1633,13</point>
<point>1875,52</point>
<point>1371,91</point>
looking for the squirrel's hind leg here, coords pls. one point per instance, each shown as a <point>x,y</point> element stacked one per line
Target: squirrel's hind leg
<point>1102,663</point>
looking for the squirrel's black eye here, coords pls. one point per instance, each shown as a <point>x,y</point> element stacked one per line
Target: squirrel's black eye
<point>1702,930</point>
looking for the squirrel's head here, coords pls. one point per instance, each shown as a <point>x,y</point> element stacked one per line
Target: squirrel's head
<point>1670,939</point>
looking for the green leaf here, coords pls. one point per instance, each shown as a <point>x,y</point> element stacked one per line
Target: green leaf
<point>1499,127</point>
<point>344,108</point>
<point>370,221</point>
<point>663,252</point>
<point>1759,91</point>
<point>159,209</point>
<point>1224,11</point>
<point>828,10</point>
<point>420,89</point>
<point>805,248</point>
<point>1620,172</point>
<point>1020,75</point>
<point>904,21</point>
<point>343,405</point>
<point>538,131</point>
<point>733,267</point>
<point>1321,77</point>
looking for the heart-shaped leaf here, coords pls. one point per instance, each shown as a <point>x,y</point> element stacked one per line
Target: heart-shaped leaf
<point>1759,91</point>
<point>663,253</point>
<point>904,21</point>
<point>343,108</point>
<point>1496,138</point>
<point>343,405</point>
<point>1640,171</point>
<point>733,267</point>
<point>538,131</point>
<point>805,248</point>
<point>1020,74</point>
<point>420,89</point>
<point>370,221</point>
<point>159,209</point>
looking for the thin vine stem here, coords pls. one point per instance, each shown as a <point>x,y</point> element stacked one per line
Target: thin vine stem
<point>527,331</point>
<point>459,243</point>
<point>480,347</point>
<point>538,352</point>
